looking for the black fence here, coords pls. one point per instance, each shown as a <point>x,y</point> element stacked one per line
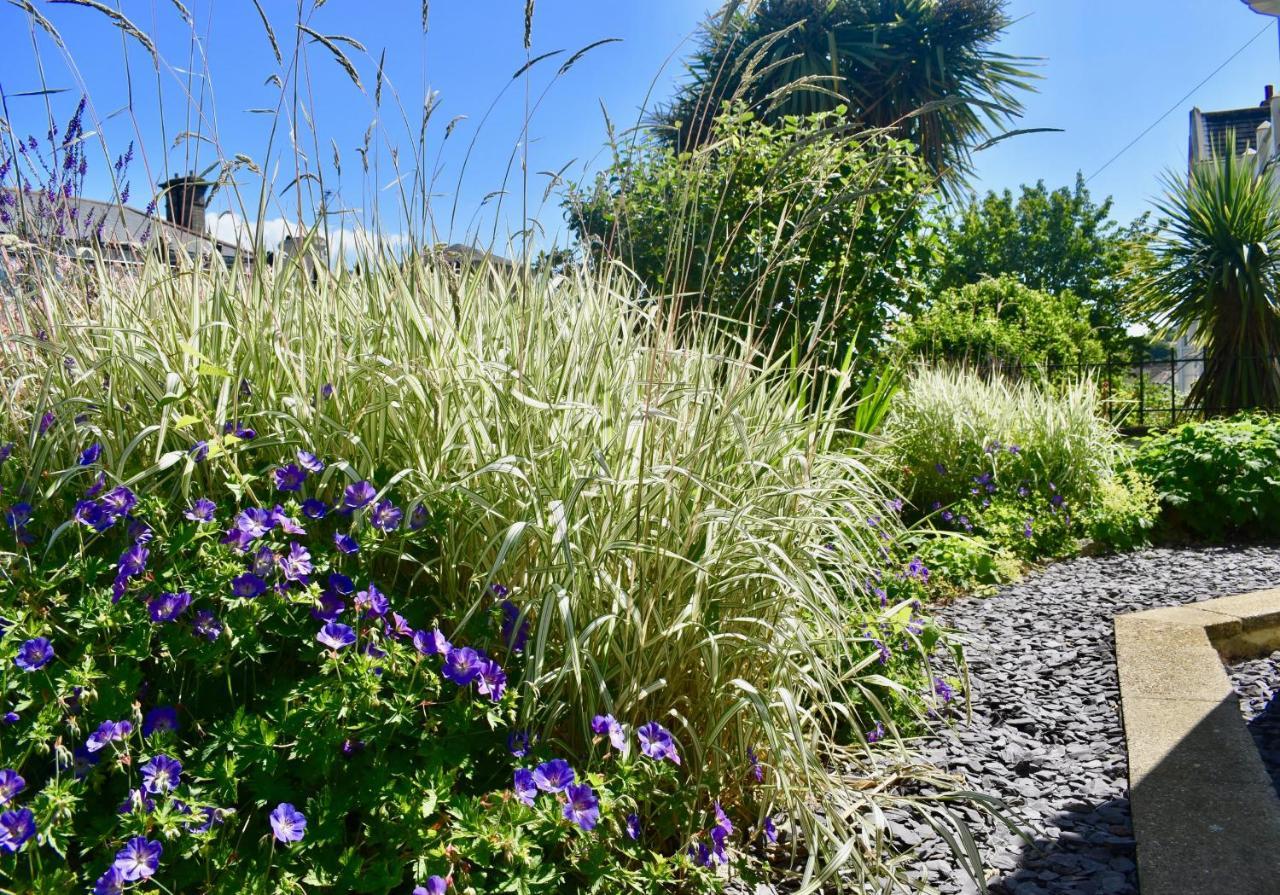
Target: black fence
<point>1142,393</point>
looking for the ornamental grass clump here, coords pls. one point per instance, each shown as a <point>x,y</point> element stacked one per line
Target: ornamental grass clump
<point>381,548</point>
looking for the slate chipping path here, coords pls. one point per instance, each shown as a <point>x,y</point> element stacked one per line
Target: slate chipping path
<point>1046,733</point>
<point>1257,683</point>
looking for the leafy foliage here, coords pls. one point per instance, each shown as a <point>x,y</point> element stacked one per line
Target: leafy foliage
<point>1215,276</point>
<point>1218,478</point>
<point>926,69</point>
<point>795,229</point>
<point>1058,242</point>
<point>996,323</point>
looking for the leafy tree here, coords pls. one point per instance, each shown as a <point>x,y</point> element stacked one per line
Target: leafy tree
<point>797,229</point>
<point>923,67</point>
<point>1214,275</point>
<point>1000,322</point>
<point>1059,241</point>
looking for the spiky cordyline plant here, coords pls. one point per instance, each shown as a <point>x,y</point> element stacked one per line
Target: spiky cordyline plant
<point>1215,277</point>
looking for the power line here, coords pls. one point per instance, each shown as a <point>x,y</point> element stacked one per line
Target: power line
<point>1176,106</point>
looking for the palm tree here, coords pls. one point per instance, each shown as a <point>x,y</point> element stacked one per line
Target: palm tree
<point>1214,275</point>
<point>923,67</point>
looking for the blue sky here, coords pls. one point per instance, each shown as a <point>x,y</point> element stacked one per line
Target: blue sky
<point>1109,71</point>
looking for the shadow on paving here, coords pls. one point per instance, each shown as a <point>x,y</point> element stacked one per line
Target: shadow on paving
<point>1265,728</point>
<point>1087,849</point>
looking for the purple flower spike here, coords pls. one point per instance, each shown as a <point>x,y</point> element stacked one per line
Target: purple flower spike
<point>553,776</point>
<point>525,787</point>
<point>336,636</point>
<point>139,859</point>
<point>34,654</point>
<point>657,743</point>
<point>288,824</point>
<point>582,807</point>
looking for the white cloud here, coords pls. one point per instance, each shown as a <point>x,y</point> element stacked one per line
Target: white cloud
<point>345,243</point>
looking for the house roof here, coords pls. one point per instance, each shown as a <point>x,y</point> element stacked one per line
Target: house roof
<point>120,224</point>
<point>1244,122</point>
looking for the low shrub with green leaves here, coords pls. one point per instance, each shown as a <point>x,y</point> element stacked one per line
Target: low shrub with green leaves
<point>1030,469</point>
<point>682,531</point>
<point>1217,479</point>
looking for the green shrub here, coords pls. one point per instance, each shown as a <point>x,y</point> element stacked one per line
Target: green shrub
<point>1123,512</point>
<point>1219,478</point>
<point>795,227</point>
<point>678,524</point>
<point>1000,322</point>
<point>960,563</point>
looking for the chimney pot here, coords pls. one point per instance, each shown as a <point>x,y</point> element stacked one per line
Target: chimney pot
<point>1268,92</point>
<point>184,201</point>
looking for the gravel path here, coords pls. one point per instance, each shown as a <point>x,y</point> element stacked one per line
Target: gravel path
<point>1046,733</point>
<point>1257,683</point>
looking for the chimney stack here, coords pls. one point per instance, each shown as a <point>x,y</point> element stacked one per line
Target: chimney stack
<point>184,201</point>
<point>1268,92</point>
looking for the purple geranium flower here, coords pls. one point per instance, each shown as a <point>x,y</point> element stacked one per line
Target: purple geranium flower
<point>491,680</point>
<point>345,543</point>
<point>358,495</point>
<point>207,625</point>
<point>16,827</point>
<point>288,823</point>
<point>34,654</point>
<point>419,517</point>
<point>431,643</point>
<point>553,776</point>
<point>314,509</point>
<point>119,500</point>
<point>461,665</point>
<point>341,584</point>
<point>515,637</point>
<point>199,451</point>
<point>90,455</point>
<point>526,788</point>
<point>757,770</point>
<point>254,522</point>
<point>264,561</point>
<point>770,831</point>
<point>608,725</point>
<point>133,561</point>
<point>436,885</point>
<point>202,510</point>
<point>310,462</point>
<point>289,477</point>
<point>876,734</point>
<point>107,732</point>
<point>168,606</point>
<point>161,774</point>
<point>582,806</point>
<point>519,742</point>
<point>247,586</point>
<point>110,883</point>
<point>373,601</point>
<point>288,526</point>
<point>943,690</point>
<point>139,859</point>
<point>633,826</point>
<point>160,718</point>
<point>46,421</point>
<point>11,783</point>
<point>657,743</point>
<point>297,564</point>
<point>386,516</point>
<point>329,607</point>
<point>336,636</point>
<point>99,482</point>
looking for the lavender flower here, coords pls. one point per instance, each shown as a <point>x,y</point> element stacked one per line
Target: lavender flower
<point>288,824</point>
